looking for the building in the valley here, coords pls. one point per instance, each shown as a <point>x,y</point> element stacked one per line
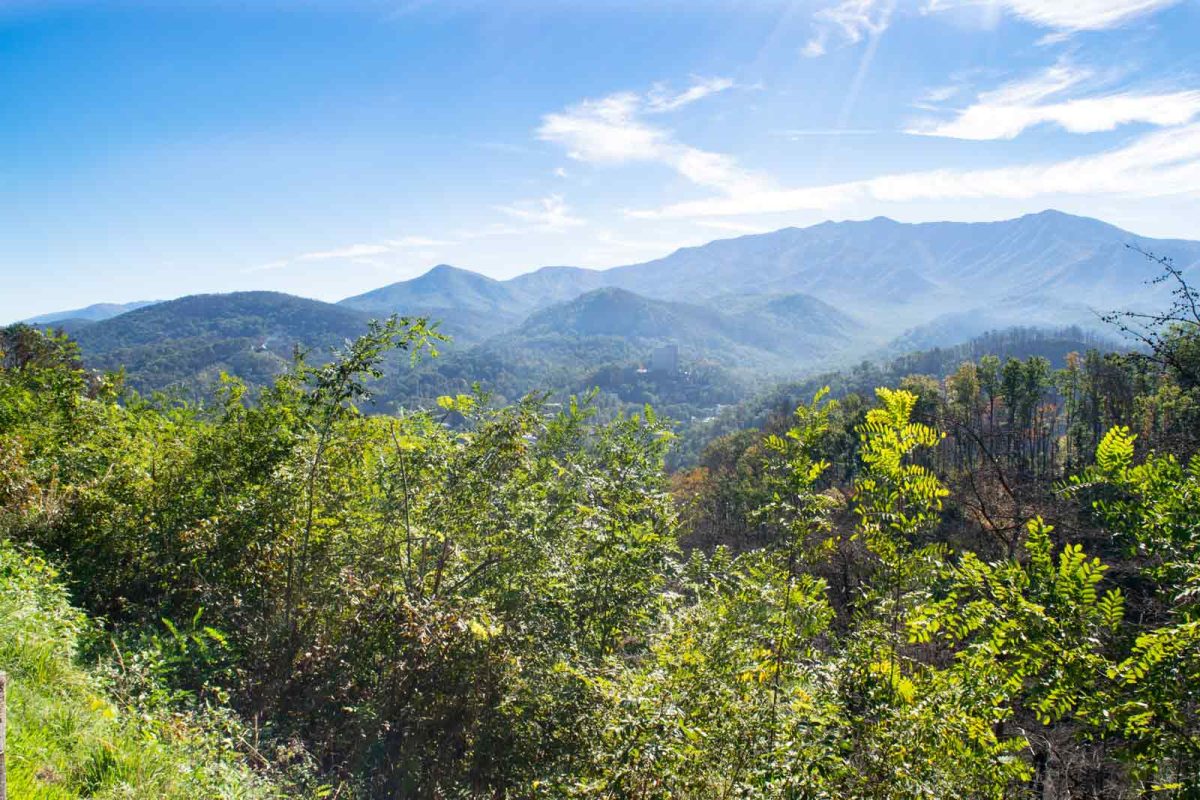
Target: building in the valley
<point>665,359</point>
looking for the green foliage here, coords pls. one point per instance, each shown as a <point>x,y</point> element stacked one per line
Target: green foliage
<point>896,499</point>
<point>485,599</point>
<point>1030,629</point>
<point>396,594</point>
<point>715,710</point>
<point>1152,507</point>
<point>67,736</point>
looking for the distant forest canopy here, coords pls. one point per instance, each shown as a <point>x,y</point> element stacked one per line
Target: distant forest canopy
<point>701,397</point>
<point>970,572</point>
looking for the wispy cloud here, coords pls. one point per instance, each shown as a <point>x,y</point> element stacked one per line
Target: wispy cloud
<point>940,94</point>
<point>613,130</point>
<point>848,22</point>
<point>549,213</point>
<point>605,131</point>
<point>1157,164</point>
<point>351,251</point>
<point>356,253</point>
<point>1067,15</point>
<point>1006,112</point>
<point>660,99</point>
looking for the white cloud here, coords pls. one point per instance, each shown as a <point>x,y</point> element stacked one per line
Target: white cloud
<point>1087,115</point>
<point>612,130</point>
<point>1080,15</point>
<point>938,94</point>
<point>550,213</point>
<point>352,251</point>
<point>1157,164</point>
<point>355,253</point>
<point>1047,83</point>
<point>815,46</point>
<point>1006,112</point>
<point>659,99</point>
<point>605,131</point>
<point>1067,15</point>
<point>850,21</point>
<point>716,170</point>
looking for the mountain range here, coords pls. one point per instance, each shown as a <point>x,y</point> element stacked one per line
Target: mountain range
<point>1047,268</point>
<point>765,304</point>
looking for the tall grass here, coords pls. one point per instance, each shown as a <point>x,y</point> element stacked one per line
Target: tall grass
<point>67,738</point>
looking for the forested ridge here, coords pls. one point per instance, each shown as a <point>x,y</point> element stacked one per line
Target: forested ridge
<point>972,579</point>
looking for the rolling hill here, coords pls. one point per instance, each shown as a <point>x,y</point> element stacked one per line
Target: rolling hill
<point>559,346</point>
<point>620,325</point>
<point>470,307</point>
<point>188,342</point>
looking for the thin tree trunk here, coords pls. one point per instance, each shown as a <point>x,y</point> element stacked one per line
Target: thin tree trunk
<point>3,732</point>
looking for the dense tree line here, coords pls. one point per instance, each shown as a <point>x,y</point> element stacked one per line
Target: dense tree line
<point>774,404</point>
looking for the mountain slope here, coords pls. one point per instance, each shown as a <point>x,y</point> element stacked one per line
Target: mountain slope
<point>443,286</point>
<point>621,324</point>
<point>758,305</point>
<point>469,306</point>
<point>190,341</point>
<point>881,263</point>
<point>550,285</point>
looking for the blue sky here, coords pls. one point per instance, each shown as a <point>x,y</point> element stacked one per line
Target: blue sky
<point>152,150</point>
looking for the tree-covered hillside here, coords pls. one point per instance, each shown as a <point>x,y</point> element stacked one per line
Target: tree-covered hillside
<point>185,344</point>
<point>766,334</point>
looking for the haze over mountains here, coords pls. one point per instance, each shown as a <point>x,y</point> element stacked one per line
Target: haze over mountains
<point>767,304</point>
<point>92,313</point>
<point>892,275</point>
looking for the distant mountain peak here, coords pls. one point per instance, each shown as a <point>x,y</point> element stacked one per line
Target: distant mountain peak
<point>1054,213</point>
<point>93,313</point>
<point>450,269</point>
<point>442,287</point>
